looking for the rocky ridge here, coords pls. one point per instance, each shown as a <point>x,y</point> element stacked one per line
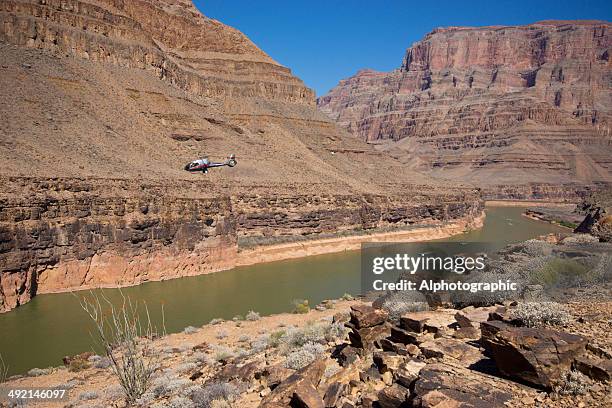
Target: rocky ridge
<point>494,105</point>
<point>473,357</point>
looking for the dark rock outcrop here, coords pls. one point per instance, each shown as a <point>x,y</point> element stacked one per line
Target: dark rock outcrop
<point>535,355</point>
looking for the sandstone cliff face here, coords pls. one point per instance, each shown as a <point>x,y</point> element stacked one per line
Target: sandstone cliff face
<point>107,100</point>
<point>495,105</point>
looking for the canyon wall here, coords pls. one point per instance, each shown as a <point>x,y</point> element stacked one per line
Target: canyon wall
<point>107,100</point>
<point>500,105</point>
<point>70,234</point>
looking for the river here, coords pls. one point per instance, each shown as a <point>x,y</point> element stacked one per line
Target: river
<point>41,332</point>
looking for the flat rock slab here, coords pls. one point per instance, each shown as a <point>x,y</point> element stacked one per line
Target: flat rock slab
<point>536,355</point>
<point>444,385</point>
<point>430,321</point>
<point>472,316</point>
<point>451,348</point>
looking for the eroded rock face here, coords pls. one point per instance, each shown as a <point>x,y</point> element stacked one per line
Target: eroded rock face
<point>92,190</point>
<point>498,105</point>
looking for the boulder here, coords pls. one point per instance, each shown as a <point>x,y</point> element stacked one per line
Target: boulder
<point>369,338</point>
<point>535,355</point>
<point>246,372</point>
<point>298,388</point>
<point>306,396</point>
<point>397,348</point>
<point>596,368</point>
<point>83,357</point>
<point>408,372</point>
<point>345,354</point>
<point>274,374</point>
<point>399,335</point>
<point>393,396</point>
<point>387,361</point>
<point>444,385</point>
<point>334,394</point>
<point>467,333</point>
<point>363,316</point>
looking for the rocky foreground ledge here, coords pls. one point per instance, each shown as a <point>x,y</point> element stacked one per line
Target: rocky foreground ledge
<point>348,354</point>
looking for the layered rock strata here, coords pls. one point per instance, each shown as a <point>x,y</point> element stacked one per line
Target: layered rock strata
<point>498,105</point>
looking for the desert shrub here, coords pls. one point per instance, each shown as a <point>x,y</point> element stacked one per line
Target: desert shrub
<point>168,384</point>
<point>602,269</point>
<point>573,383</point>
<point>216,320</point>
<point>237,318</point>
<point>113,392</point>
<point>220,404</point>
<point>347,296</point>
<point>335,331</point>
<point>200,358</point>
<point>101,362</point>
<point>78,364</point>
<point>533,248</point>
<point>300,306</point>
<point>252,316</point>
<point>319,332</point>
<point>260,344</point>
<point>37,372</point>
<point>221,334</point>
<point>275,338</point>
<point>186,367</point>
<point>222,353</point>
<point>190,330</point>
<point>533,314</point>
<point>559,272</point>
<point>88,395</point>
<point>401,302</point>
<point>243,339</point>
<point>179,402</point>
<point>216,391</point>
<point>3,370</point>
<point>461,299</point>
<point>125,337</point>
<point>304,355</point>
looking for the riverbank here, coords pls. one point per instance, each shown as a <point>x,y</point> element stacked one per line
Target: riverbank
<point>516,203</point>
<point>301,249</point>
<point>54,280</point>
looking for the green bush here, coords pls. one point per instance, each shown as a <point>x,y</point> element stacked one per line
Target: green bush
<point>301,306</point>
<point>559,271</point>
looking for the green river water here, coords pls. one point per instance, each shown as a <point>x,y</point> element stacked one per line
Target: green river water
<point>49,327</point>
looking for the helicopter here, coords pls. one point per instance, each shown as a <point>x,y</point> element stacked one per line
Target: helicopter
<point>204,164</point>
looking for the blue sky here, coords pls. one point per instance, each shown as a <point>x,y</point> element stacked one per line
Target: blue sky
<point>325,41</point>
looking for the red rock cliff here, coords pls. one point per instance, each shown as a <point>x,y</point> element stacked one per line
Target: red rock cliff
<point>495,105</point>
